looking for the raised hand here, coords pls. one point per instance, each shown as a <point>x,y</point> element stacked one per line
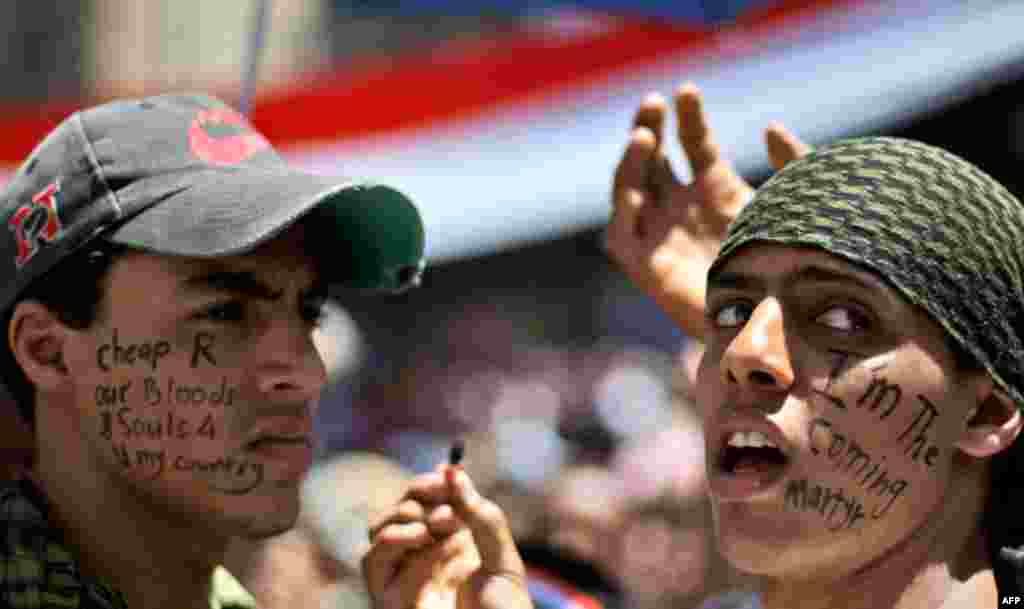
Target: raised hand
<point>444,546</point>
<point>665,234</point>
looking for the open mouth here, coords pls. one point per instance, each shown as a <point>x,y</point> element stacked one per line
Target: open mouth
<point>750,452</point>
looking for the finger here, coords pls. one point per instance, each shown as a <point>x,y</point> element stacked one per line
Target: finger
<point>633,169</point>
<point>783,145</point>
<point>442,564</point>
<point>493,537</point>
<point>429,489</point>
<point>651,115</point>
<point>389,550</point>
<point>443,521</point>
<point>695,133</point>
<point>630,192</point>
<point>663,177</point>
<point>407,510</point>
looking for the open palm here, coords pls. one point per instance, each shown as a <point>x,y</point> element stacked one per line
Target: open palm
<point>664,233</point>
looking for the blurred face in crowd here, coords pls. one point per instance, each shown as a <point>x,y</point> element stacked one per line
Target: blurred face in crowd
<point>585,515</point>
<point>834,407</point>
<point>664,558</point>
<point>194,389</point>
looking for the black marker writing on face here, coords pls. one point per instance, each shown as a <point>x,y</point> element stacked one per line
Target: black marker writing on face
<point>837,509</point>
<point>112,354</point>
<point>919,442</point>
<point>849,457</point>
<point>839,361</point>
<point>880,392</point>
<point>227,475</point>
<point>106,425</point>
<point>201,347</point>
<point>112,395</point>
<point>163,426</point>
<point>140,458</point>
<point>174,393</point>
<point>880,396</point>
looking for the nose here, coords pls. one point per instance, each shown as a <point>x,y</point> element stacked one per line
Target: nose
<point>290,368</point>
<point>758,358</point>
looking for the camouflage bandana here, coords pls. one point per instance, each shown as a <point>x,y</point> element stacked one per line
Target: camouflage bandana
<point>943,233</point>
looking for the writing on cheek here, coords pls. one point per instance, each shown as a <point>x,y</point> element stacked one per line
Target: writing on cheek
<point>148,461</point>
<point>113,394</point>
<point>849,457</point>
<point>226,474</point>
<point>882,398</point>
<point>138,416</point>
<point>838,510</point>
<point>130,425</point>
<point>118,417</point>
<point>170,391</point>
<point>839,361</point>
<point>113,354</point>
<point>202,347</point>
<point>919,446</point>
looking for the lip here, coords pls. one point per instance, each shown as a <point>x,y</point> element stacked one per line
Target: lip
<point>730,486</point>
<point>287,442</point>
<point>292,456</point>
<point>281,428</point>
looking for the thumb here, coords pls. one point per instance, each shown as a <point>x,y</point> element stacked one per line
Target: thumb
<point>489,526</point>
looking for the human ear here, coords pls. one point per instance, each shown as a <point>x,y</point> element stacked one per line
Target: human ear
<point>992,426</point>
<point>36,338</point>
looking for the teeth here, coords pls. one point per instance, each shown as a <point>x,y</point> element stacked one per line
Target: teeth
<point>751,439</point>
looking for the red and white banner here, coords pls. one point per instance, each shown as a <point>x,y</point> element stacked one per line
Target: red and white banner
<point>514,139</point>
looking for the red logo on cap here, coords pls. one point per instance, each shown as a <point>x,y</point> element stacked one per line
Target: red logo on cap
<point>221,136</point>
<point>36,222</point>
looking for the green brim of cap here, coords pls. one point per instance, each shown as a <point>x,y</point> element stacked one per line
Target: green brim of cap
<point>365,236</point>
<point>383,238</point>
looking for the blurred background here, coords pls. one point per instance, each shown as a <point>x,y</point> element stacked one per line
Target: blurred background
<point>504,121</point>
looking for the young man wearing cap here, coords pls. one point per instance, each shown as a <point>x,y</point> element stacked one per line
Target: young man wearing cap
<point>862,377</point>
<point>163,271</point>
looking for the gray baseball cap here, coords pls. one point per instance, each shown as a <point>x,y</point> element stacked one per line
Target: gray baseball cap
<point>186,175</point>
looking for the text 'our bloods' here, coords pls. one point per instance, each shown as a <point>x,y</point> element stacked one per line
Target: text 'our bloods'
<point>155,390</point>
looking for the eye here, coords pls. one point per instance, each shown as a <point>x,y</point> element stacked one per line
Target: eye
<point>843,318</point>
<point>313,310</point>
<point>224,312</point>
<point>732,315</point>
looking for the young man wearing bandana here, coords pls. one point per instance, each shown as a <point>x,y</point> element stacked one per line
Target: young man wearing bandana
<point>862,375</point>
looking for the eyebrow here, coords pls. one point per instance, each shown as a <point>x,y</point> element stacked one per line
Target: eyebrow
<point>242,283</point>
<point>809,274</point>
<point>820,274</point>
<point>726,280</point>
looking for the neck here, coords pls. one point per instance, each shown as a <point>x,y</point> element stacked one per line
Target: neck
<point>942,564</point>
<point>154,557</point>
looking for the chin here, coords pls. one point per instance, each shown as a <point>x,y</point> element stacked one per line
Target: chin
<point>757,555</point>
<point>269,524</point>
<point>263,530</point>
<point>750,558</point>
<point>265,516</point>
